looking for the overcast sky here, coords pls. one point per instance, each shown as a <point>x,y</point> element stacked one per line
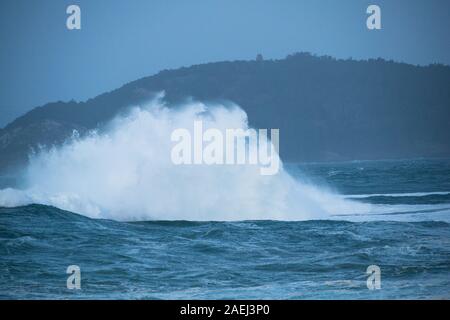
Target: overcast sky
<point>120,41</point>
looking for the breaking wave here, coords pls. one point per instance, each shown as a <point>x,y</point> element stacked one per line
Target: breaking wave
<point>125,173</point>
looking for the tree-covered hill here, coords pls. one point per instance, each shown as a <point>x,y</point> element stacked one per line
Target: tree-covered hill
<point>326,109</point>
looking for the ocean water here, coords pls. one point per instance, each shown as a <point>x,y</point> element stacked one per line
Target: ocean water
<point>403,227</point>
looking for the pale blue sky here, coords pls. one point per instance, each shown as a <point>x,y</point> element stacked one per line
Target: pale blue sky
<point>120,41</point>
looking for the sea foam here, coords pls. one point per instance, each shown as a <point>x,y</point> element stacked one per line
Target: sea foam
<point>126,173</point>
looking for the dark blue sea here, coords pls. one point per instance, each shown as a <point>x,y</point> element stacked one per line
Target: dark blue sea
<point>406,234</point>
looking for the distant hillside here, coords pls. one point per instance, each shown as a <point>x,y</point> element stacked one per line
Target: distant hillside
<point>326,109</point>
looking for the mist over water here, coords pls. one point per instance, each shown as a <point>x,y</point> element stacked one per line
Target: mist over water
<point>126,173</point>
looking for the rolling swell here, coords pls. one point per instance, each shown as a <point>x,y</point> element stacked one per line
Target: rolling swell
<point>260,259</point>
<point>414,198</point>
<point>247,259</point>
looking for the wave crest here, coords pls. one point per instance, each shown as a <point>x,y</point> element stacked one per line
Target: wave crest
<point>126,173</point>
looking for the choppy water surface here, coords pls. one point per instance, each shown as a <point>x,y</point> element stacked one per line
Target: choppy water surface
<point>403,227</point>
